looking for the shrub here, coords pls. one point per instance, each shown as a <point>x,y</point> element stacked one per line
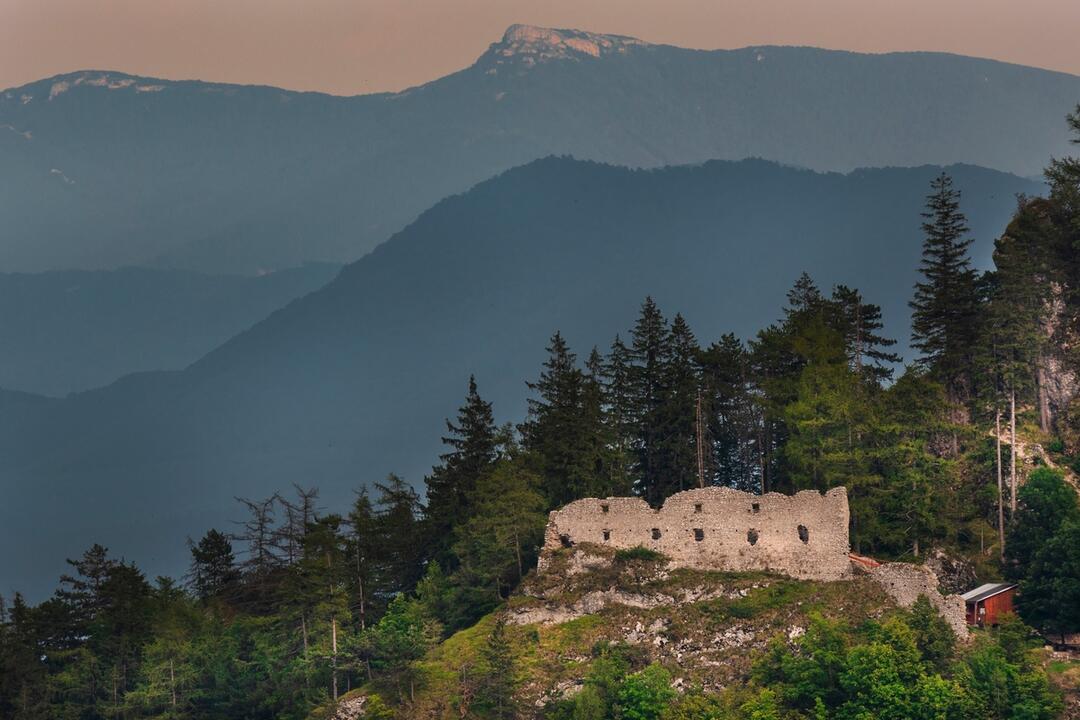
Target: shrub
<point>639,553</point>
<point>646,694</point>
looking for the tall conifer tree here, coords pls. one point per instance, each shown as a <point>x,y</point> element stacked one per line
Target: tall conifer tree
<point>472,451</point>
<point>945,300</point>
<point>678,414</point>
<point>648,354</point>
<point>555,432</point>
<point>620,417</point>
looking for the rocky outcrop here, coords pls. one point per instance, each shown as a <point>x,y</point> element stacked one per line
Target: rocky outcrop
<point>349,707</point>
<point>593,602</point>
<point>529,45</point>
<point>955,574</point>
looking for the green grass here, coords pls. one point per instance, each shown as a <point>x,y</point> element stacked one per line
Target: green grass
<point>639,553</point>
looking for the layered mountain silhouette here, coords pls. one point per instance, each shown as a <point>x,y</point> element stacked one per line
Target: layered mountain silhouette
<point>102,169</point>
<point>65,331</point>
<point>353,381</point>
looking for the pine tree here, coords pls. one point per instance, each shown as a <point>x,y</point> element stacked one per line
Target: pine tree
<point>1063,174</point>
<point>860,325</point>
<point>497,545</point>
<point>557,432</point>
<point>84,591</point>
<point>494,694</point>
<point>620,417</point>
<point>261,560</point>
<point>472,443</point>
<point>213,566</point>
<point>363,556</point>
<point>648,354</point>
<point>732,420</point>
<point>399,562</point>
<point>826,419</point>
<point>678,430</point>
<point>607,473</point>
<point>945,300</point>
<point>299,514</point>
<point>804,297</point>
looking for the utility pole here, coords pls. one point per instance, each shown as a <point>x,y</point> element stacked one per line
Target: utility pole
<point>1012,451</point>
<point>700,444</point>
<point>1000,483</point>
<point>333,641</point>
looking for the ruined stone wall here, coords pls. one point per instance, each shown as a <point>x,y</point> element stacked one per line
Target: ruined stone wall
<point>803,535</point>
<point>905,583</point>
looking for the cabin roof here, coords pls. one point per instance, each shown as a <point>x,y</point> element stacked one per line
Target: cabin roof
<point>986,591</point>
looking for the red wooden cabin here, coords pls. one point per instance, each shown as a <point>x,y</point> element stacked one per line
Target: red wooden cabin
<point>987,603</point>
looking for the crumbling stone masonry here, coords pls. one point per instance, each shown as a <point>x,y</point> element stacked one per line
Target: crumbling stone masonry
<point>803,535</point>
<point>905,582</point>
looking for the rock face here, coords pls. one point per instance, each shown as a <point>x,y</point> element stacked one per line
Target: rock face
<point>350,707</point>
<point>955,574</point>
<point>803,535</point>
<point>528,45</point>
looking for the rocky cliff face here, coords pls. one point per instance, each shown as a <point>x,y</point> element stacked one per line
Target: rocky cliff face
<point>528,45</point>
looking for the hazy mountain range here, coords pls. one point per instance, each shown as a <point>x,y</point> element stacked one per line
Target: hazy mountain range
<point>352,381</point>
<point>102,169</point>
<point>64,331</point>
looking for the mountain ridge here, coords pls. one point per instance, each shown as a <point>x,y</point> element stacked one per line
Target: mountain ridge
<point>79,329</point>
<point>517,38</point>
<point>230,178</point>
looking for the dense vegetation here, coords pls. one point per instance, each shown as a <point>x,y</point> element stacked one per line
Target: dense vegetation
<point>319,602</point>
<point>905,667</point>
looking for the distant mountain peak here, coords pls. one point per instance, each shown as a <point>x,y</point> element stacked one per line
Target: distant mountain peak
<point>51,88</point>
<point>530,44</point>
<point>110,81</point>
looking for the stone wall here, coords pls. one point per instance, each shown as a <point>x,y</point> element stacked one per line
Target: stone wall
<point>905,583</point>
<point>803,535</point>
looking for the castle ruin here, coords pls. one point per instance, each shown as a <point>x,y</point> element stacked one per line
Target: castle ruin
<point>803,536</point>
<point>716,528</point>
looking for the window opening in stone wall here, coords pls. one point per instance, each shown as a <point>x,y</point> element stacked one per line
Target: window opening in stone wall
<point>752,536</point>
<point>656,533</point>
<point>697,507</point>
<point>699,534</point>
<point>755,507</point>
<point>604,508</point>
<point>607,535</point>
<point>566,541</point>
<point>804,534</point>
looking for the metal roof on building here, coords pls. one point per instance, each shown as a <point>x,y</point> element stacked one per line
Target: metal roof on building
<point>985,591</point>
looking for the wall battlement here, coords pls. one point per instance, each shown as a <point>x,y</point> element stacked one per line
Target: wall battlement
<point>803,535</point>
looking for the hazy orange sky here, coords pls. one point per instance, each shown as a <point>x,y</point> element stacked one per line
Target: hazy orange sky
<point>357,46</point>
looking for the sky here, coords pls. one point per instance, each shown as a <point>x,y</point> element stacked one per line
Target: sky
<point>357,46</point>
